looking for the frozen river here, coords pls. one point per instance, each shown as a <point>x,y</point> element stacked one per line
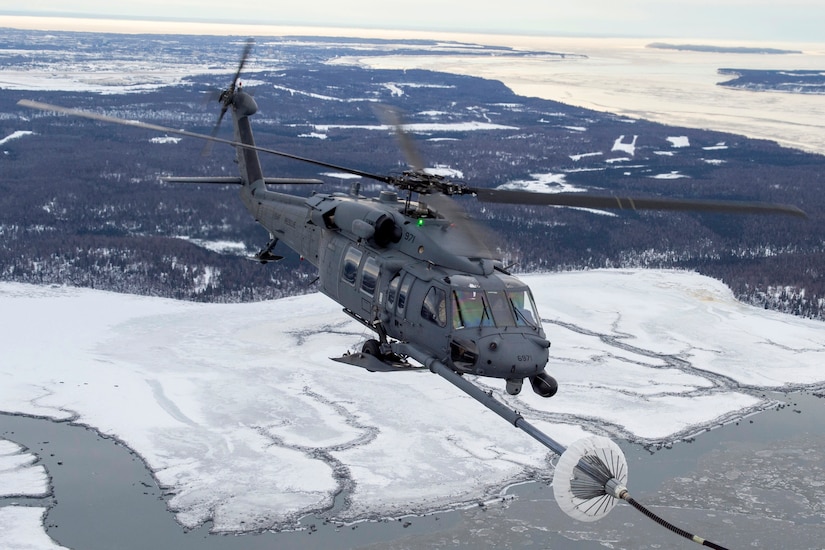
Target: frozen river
<point>725,484</point>
<point>246,426</point>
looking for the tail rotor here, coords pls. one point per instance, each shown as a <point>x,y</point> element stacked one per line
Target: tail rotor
<point>227,96</point>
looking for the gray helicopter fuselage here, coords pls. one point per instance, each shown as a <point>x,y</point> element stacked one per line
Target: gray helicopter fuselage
<point>389,264</point>
<point>397,267</point>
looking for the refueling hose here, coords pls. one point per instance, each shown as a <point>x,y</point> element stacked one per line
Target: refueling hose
<point>667,525</point>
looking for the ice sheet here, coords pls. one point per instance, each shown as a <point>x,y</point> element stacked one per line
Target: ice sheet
<point>239,410</point>
<point>19,476</point>
<point>21,528</point>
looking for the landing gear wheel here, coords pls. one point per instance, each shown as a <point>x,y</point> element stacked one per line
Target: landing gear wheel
<point>544,384</point>
<point>372,347</point>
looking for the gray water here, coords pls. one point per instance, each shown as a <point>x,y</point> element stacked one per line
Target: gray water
<point>756,483</point>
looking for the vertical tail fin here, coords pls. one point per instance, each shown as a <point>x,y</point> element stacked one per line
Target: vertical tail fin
<point>243,106</point>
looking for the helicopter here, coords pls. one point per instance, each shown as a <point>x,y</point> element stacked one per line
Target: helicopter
<point>410,268</point>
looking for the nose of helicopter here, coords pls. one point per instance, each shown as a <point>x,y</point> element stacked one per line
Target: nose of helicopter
<point>514,355</point>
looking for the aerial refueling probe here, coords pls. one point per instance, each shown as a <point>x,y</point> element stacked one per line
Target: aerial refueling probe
<point>590,475</point>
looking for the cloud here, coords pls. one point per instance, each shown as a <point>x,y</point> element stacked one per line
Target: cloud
<point>733,19</point>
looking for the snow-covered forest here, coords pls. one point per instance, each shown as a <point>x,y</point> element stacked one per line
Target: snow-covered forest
<point>81,203</point>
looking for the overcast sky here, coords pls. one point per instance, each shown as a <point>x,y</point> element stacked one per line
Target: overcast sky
<point>796,20</point>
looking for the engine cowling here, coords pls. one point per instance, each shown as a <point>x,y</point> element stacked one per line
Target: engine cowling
<point>367,221</point>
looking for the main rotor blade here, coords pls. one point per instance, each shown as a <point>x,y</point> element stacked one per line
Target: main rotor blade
<point>505,196</point>
<point>466,236</point>
<point>236,180</point>
<point>582,200</point>
<point>164,129</point>
<point>392,118</point>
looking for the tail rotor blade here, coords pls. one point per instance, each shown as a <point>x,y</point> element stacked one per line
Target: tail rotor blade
<point>207,148</point>
<point>228,96</point>
<point>246,51</point>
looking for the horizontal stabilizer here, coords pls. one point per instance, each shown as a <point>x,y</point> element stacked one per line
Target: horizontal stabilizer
<point>230,180</point>
<point>265,257</point>
<point>374,364</point>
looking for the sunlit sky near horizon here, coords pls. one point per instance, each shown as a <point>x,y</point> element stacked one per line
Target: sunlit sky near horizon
<point>791,20</point>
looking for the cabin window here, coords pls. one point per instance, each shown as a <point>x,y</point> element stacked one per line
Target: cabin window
<point>403,293</point>
<point>351,262</point>
<point>392,292</point>
<point>434,308</point>
<point>369,275</point>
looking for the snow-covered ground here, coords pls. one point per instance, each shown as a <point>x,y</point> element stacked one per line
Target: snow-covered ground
<point>18,474</point>
<point>21,528</point>
<point>239,410</point>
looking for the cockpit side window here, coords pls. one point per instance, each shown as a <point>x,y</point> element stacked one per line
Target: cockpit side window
<point>434,308</point>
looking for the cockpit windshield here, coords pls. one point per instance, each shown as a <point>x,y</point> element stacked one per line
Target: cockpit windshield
<point>473,307</point>
<point>524,308</point>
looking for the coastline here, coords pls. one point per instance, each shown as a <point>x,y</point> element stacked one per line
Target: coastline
<point>706,483</point>
<point>617,75</point>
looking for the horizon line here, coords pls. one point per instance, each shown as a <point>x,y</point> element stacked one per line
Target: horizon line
<point>262,26</point>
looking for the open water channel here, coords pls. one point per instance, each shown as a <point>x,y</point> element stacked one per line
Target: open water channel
<point>757,483</point>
